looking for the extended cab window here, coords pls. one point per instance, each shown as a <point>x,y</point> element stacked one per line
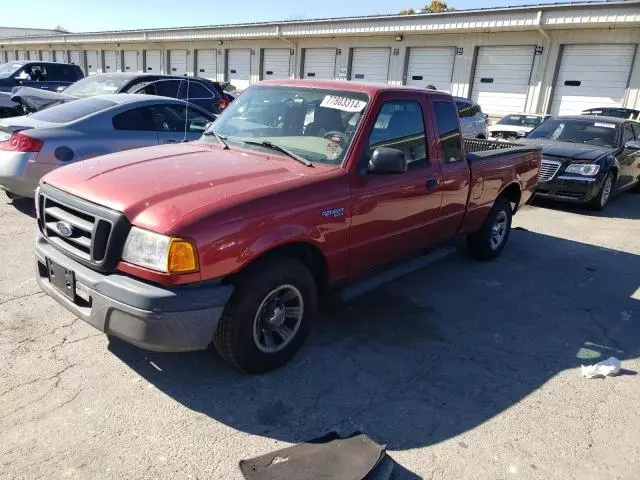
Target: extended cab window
<point>449,132</point>
<point>400,125</point>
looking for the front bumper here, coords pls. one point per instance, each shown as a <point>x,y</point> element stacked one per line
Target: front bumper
<point>165,319</point>
<point>20,174</point>
<point>570,188</point>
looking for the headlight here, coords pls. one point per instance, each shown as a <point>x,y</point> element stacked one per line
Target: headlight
<point>159,252</point>
<point>583,169</point>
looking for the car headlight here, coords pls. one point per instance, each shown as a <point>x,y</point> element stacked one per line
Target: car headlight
<point>583,169</point>
<point>159,252</point>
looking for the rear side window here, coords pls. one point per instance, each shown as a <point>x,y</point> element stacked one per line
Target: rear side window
<point>164,88</point>
<point>62,73</point>
<point>137,119</point>
<point>464,109</point>
<point>449,132</point>
<point>69,112</point>
<point>195,90</point>
<point>400,125</point>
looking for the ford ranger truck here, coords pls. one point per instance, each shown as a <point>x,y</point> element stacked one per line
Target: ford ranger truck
<point>297,187</point>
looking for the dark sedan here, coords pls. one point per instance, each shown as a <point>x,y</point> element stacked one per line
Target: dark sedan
<point>199,91</point>
<point>587,159</point>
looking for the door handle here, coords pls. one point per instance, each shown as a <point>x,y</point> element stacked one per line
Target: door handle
<point>432,184</point>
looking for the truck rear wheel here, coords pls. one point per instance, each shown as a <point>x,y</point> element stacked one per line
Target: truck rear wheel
<point>268,316</point>
<point>488,242</point>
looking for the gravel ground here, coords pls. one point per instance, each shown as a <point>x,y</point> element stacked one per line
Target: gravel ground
<point>465,370</point>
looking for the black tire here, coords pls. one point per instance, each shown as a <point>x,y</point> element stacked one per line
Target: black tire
<point>601,200</point>
<point>482,244</point>
<point>234,338</point>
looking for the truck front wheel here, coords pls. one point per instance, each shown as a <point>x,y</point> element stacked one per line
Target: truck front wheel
<point>268,316</point>
<point>488,242</point>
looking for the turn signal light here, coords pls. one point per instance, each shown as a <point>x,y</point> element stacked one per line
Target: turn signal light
<point>19,142</point>
<point>183,256</point>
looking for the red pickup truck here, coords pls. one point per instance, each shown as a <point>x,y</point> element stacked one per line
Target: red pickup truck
<point>298,187</point>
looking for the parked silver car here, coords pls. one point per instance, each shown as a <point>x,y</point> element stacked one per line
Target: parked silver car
<point>33,145</point>
<point>473,123</point>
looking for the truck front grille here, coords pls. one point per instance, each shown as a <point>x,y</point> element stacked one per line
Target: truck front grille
<point>92,234</point>
<point>548,170</point>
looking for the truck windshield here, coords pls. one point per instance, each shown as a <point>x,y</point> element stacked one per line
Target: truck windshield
<point>8,69</point>
<point>315,124</point>
<point>98,85</point>
<point>588,132</point>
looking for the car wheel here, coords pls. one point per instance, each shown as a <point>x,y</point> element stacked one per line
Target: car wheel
<point>604,195</point>
<point>268,316</point>
<point>488,242</point>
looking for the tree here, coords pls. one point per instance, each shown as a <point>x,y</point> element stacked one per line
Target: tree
<point>438,6</point>
<point>407,11</point>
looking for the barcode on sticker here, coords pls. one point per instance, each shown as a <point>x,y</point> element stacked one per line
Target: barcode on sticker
<point>343,103</point>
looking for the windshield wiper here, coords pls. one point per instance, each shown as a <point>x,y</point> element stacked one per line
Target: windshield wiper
<point>220,138</point>
<point>273,146</point>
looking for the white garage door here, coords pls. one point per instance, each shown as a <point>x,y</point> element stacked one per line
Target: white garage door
<point>110,61</point>
<point>92,62</point>
<point>11,56</point>
<point>22,55</point>
<point>45,55</point>
<point>34,55</point>
<point>60,56</point>
<point>153,61</point>
<point>207,64</point>
<point>591,76</point>
<point>370,65</point>
<point>178,62</point>
<point>320,63</point>
<point>430,66</point>
<point>501,79</point>
<point>275,63</point>
<point>239,68</point>
<point>75,58</point>
<point>131,61</point>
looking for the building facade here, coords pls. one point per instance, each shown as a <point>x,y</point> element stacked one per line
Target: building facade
<point>557,59</point>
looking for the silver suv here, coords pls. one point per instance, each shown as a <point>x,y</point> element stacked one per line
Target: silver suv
<point>473,122</point>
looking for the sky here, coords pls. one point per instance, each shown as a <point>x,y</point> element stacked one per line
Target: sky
<point>97,15</point>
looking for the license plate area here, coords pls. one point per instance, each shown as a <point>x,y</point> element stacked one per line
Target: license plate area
<point>63,279</point>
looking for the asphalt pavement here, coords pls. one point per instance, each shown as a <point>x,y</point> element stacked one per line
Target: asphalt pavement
<point>464,369</point>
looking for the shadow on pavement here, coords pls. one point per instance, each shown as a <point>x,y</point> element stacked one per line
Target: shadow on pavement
<point>25,205</point>
<point>624,206</point>
<point>431,355</point>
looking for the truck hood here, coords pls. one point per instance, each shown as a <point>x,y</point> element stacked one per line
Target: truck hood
<point>576,151</point>
<point>157,186</point>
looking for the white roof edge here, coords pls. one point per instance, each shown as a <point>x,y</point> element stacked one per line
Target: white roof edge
<point>127,35</point>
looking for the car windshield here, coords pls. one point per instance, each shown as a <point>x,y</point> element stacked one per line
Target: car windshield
<point>521,120</point>
<point>97,85</point>
<point>588,132</point>
<point>8,69</point>
<point>315,124</point>
<point>71,111</point>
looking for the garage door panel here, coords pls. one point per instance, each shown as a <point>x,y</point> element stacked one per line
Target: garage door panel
<point>110,61</point>
<point>370,64</point>
<point>501,78</point>
<point>239,67</point>
<point>153,61</point>
<point>319,63</point>
<point>591,76</point>
<point>207,64</point>
<point>178,62</point>
<point>276,63</point>
<point>92,62</point>
<point>131,61</point>
<point>430,66</point>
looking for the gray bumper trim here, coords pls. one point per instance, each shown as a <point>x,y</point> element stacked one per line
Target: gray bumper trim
<point>152,317</point>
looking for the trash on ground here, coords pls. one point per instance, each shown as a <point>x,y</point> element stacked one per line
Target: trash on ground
<point>355,457</point>
<point>608,367</point>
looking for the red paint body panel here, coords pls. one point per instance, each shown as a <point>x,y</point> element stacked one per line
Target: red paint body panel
<point>238,204</point>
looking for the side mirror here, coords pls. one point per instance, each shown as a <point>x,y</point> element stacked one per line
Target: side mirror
<point>387,160</point>
<point>632,145</point>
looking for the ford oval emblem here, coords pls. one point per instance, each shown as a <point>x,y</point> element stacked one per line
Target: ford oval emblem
<point>64,228</point>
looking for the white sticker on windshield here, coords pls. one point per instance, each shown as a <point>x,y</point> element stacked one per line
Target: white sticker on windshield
<point>343,103</point>
<point>605,125</point>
